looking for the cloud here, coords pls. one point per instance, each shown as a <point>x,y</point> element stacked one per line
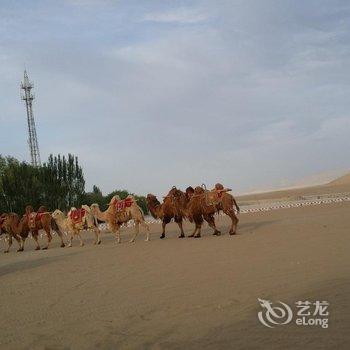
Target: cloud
<point>150,95</point>
<point>181,15</point>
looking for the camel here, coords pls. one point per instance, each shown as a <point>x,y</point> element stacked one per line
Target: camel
<point>120,212</point>
<point>14,227</point>
<point>42,220</point>
<point>173,207</point>
<point>76,221</point>
<point>203,204</point>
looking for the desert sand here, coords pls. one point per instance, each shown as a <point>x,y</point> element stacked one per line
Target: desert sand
<point>183,293</point>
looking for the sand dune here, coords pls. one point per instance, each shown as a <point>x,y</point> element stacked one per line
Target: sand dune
<point>183,293</point>
<point>343,180</point>
<point>340,185</point>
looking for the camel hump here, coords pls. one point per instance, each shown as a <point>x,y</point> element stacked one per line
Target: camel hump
<point>219,186</point>
<point>29,209</point>
<point>114,199</point>
<point>199,190</point>
<point>42,209</point>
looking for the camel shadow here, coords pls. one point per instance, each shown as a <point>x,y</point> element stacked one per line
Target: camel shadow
<point>31,264</point>
<point>251,227</point>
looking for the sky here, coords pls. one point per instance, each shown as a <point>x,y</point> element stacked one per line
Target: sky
<point>151,94</point>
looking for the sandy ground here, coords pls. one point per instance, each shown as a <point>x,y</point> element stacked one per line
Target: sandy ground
<point>183,293</point>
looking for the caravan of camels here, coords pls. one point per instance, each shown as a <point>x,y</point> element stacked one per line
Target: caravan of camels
<point>195,204</point>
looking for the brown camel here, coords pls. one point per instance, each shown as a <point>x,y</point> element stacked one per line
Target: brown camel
<point>120,212</point>
<point>173,207</point>
<point>14,227</point>
<point>77,221</point>
<point>204,204</point>
<point>41,220</point>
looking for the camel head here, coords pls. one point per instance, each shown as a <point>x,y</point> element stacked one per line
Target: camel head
<point>57,215</point>
<point>152,200</point>
<point>95,208</point>
<point>152,203</point>
<point>86,208</point>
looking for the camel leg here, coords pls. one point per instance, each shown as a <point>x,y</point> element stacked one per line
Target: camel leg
<point>117,234</point>
<point>166,220</point>
<point>211,221</point>
<point>19,241</point>
<point>193,233</point>
<point>199,228</point>
<point>97,233</point>
<point>49,238</point>
<point>144,225</point>
<point>60,235</point>
<point>148,238</point>
<point>35,236</point>
<point>178,220</point>
<point>9,244</point>
<point>198,220</point>
<point>80,239</point>
<point>199,223</point>
<point>137,230</point>
<point>234,220</point>
<point>70,239</point>
<point>23,241</point>
<point>21,244</point>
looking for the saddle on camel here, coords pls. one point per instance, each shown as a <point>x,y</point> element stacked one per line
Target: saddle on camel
<point>77,216</point>
<point>216,195</point>
<point>121,212</point>
<point>120,206</point>
<point>41,220</point>
<point>76,221</point>
<point>203,204</point>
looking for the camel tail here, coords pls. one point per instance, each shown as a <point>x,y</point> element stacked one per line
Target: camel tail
<point>54,225</point>
<point>236,205</point>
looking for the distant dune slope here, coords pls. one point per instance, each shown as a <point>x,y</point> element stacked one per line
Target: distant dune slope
<point>343,180</point>
<point>339,185</point>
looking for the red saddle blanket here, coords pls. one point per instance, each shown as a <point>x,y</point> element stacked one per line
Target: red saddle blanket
<point>122,204</point>
<point>34,217</point>
<point>77,215</point>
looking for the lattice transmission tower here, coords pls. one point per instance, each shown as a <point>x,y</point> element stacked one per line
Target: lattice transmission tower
<point>28,97</point>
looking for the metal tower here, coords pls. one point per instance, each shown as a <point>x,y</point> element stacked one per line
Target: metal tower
<point>28,97</point>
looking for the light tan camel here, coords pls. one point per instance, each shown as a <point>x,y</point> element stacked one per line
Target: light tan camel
<point>77,221</point>
<point>120,212</point>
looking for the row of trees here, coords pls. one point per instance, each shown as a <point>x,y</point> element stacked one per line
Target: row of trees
<point>58,184</point>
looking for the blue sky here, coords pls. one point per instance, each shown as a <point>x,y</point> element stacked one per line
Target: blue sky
<point>151,94</point>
